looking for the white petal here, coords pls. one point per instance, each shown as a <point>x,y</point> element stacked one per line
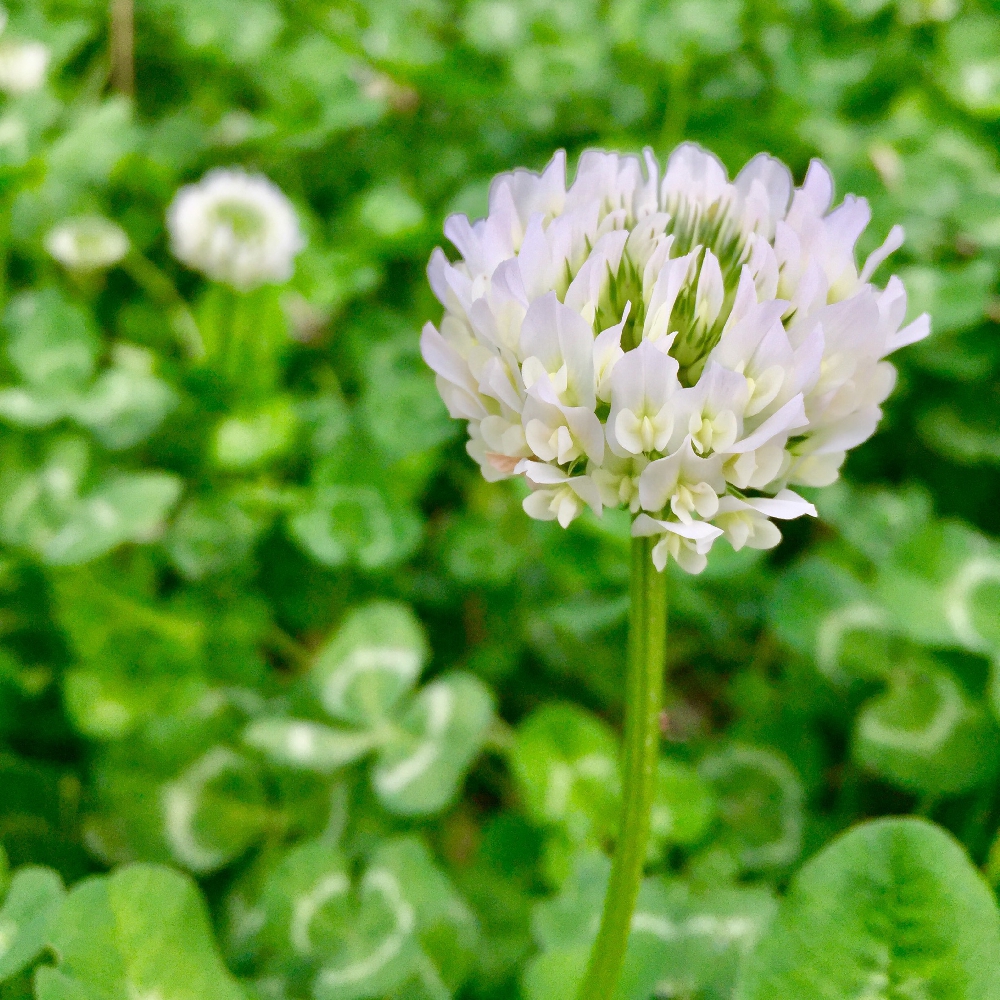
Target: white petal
<point>466,239</point>
<point>786,505</point>
<point>538,505</point>
<point>642,381</point>
<point>495,381</point>
<point>607,353</point>
<point>766,535</point>
<point>587,430</point>
<point>892,243</point>
<point>695,174</point>
<point>659,481</point>
<point>443,359</point>
<point>711,291</point>
<point>697,531</point>
<point>543,474</point>
<point>673,276</point>
<point>586,489</point>
<point>435,275</point>
<point>817,189</point>
<point>846,433</point>
<point>558,335</point>
<point>585,289</point>
<point>774,179</point>
<point>910,334</point>
<point>791,417</point>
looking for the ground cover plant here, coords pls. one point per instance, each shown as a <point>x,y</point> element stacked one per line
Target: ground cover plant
<point>294,704</point>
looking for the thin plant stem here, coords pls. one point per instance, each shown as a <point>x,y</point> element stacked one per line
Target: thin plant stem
<point>162,291</point>
<point>643,703</point>
<point>122,45</point>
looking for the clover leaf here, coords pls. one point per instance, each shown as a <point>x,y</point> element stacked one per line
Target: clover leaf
<point>141,931</point>
<point>681,943</point>
<point>423,741</point>
<point>893,907</point>
<point>32,902</point>
<point>396,928</point>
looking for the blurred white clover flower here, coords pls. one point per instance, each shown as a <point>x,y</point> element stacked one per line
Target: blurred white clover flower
<point>687,348</point>
<point>22,66</point>
<point>87,243</point>
<point>236,228</point>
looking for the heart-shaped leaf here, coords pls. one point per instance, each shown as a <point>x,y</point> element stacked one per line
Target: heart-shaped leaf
<point>123,508</point>
<point>341,524</point>
<point>311,745</point>
<point>127,402</point>
<point>142,931</point>
<point>824,613</point>
<point>213,811</point>
<point>925,735</point>
<point>356,937</point>
<point>421,766</point>
<point>52,342</point>
<point>683,806</point>
<point>397,929</point>
<point>32,902</point>
<point>34,407</point>
<point>210,534</point>
<point>566,763</point>
<point>892,908</point>
<point>373,661</point>
<point>760,801</point>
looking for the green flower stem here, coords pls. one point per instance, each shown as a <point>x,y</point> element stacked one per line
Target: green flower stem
<point>122,45</point>
<point>643,701</point>
<point>162,291</point>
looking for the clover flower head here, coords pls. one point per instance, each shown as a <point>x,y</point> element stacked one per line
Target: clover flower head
<point>87,243</point>
<point>235,228</point>
<point>684,346</point>
<point>22,66</point>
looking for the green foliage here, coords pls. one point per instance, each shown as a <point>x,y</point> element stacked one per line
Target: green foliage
<point>691,944</point>
<point>892,907</point>
<point>142,929</point>
<point>33,898</point>
<point>282,680</point>
<point>363,678</point>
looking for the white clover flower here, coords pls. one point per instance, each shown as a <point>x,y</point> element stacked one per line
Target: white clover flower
<point>687,348</point>
<point>87,243</point>
<point>22,66</point>
<point>236,228</point>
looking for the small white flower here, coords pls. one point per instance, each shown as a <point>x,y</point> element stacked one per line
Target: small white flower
<point>745,522</point>
<point>719,338</point>
<point>688,544</point>
<point>22,66</point>
<point>236,228</point>
<point>683,482</point>
<point>557,496</point>
<point>641,419</point>
<point>87,243</point>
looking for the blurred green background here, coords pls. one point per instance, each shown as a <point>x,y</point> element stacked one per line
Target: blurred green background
<point>233,599</point>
